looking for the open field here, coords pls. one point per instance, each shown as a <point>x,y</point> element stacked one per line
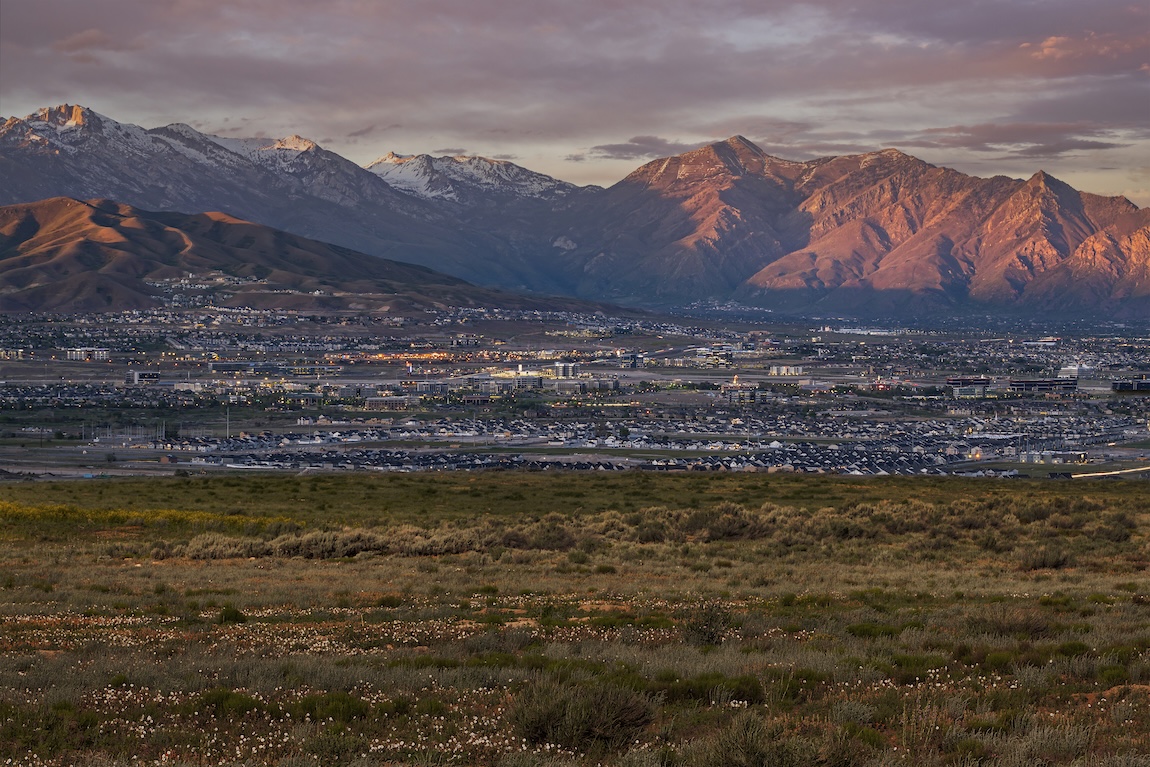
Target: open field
<point>631,619</point>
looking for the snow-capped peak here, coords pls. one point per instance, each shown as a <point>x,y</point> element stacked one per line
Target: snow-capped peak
<point>50,123</point>
<point>296,143</point>
<point>65,116</point>
<point>461,177</point>
<point>273,154</point>
<point>68,127</point>
<point>391,157</point>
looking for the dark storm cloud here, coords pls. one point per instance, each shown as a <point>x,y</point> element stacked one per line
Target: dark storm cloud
<point>559,82</point>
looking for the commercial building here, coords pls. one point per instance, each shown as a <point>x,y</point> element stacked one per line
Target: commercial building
<point>88,354</point>
<point>1043,385</point>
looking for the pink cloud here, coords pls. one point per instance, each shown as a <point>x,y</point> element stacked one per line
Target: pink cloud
<point>604,81</point>
<point>1090,45</point>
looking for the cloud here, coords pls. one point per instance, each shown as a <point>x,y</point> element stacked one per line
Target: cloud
<point>1057,148</point>
<point>450,151</point>
<point>768,127</point>
<point>1115,102</point>
<point>643,148</point>
<point>1088,45</point>
<point>1033,139</point>
<point>565,82</point>
<point>92,40</point>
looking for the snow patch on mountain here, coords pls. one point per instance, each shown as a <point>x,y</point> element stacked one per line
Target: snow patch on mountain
<point>73,130</point>
<point>274,154</point>
<point>458,178</point>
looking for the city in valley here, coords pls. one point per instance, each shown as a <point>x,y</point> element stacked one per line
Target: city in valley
<point>198,390</point>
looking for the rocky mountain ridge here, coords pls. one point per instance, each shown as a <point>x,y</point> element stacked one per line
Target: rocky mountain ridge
<point>291,184</point>
<point>878,233</point>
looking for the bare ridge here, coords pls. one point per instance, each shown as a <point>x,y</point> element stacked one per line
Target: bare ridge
<point>64,254</point>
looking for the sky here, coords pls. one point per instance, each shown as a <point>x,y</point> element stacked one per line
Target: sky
<point>587,91</point>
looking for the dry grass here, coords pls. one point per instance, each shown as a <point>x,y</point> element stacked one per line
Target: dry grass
<point>737,621</point>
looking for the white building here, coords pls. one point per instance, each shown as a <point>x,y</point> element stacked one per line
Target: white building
<point>88,354</point>
<point>1076,370</point>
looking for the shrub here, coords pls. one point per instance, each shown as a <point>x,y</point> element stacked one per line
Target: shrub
<point>909,668</point>
<point>329,545</point>
<point>231,614</point>
<point>1045,558</point>
<point>735,522</point>
<point>528,759</point>
<point>787,686</point>
<point>1112,533</point>
<point>873,630</point>
<point>59,728</point>
<point>551,536</point>
<point>749,741</point>
<point>335,746</point>
<point>853,712</point>
<point>699,520</point>
<point>1010,621</point>
<point>395,707</point>
<point>217,546</point>
<point>430,706</point>
<point>1048,744</point>
<point>711,688</point>
<point>225,703</point>
<point>651,532</point>
<point>579,717</point>
<point>511,640</point>
<point>1073,649</point>
<point>338,706</point>
<point>708,625</point>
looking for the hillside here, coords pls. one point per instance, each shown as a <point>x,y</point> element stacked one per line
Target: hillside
<point>63,254</point>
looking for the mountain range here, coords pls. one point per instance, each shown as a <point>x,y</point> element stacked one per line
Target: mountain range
<point>881,233</point>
